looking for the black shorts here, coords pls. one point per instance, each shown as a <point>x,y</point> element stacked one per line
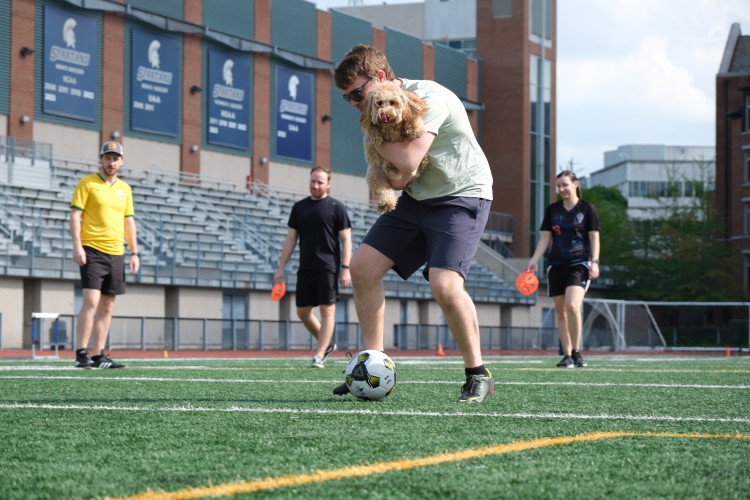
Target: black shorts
<point>443,232</point>
<point>103,272</point>
<point>317,287</point>
<point>561,277</point>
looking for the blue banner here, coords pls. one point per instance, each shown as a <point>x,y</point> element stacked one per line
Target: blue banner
<point>71,64</point>
<point>294,114</point>
<point>229,99</point>
<point>154,84</point>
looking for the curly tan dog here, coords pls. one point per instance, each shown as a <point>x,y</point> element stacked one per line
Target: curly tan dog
<point>390,114</point>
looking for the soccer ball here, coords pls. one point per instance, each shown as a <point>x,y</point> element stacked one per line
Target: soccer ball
<point>371,375</point>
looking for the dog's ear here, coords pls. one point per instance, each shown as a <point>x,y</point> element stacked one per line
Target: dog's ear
<point>365,119</point>
<point>415,107</point>
<point>371,105</point>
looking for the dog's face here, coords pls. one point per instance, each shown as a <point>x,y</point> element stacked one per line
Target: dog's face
<point>385,103</point>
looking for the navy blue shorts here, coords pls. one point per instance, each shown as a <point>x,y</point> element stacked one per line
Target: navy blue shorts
<point>103,272</point>
<point>316,287</point>
<point>442,232</point>
<point>561,277</point>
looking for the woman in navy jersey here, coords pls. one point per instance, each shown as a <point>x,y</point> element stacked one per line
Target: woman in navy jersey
<point>570,230</point>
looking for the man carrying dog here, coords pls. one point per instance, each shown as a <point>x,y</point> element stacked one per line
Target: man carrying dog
<point>439,218</point>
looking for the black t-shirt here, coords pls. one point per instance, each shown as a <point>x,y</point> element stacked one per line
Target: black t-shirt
<point>570,231</point>
<point>318,223</point>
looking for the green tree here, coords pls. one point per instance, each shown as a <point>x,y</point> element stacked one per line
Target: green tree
<point>677,256</point>
<point>615,231</point>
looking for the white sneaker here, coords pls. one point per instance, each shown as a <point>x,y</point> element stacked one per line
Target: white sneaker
<point>317,362</point>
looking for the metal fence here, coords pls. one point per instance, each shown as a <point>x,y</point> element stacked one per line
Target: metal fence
<point>174,334</point>
<point>609,325</point>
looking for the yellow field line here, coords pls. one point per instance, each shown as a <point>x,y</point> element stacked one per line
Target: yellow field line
<point>271,483</point>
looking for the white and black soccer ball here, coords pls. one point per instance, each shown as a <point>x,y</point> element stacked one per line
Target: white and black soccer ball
<point>371,375</point>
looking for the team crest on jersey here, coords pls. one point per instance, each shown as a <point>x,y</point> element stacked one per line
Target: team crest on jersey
<point>120,194</point>
<point>579,218</point>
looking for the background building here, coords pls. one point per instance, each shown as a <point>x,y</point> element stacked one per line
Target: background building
<point>223,106</point>
<point>733,148</point>
<point>653,178</point>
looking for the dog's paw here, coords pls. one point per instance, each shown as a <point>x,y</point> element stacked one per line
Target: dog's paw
<point>386,200</point>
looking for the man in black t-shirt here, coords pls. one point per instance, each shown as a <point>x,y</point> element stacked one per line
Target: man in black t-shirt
<point>320,223</point>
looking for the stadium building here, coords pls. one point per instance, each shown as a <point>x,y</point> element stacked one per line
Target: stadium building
<point>222,107</point>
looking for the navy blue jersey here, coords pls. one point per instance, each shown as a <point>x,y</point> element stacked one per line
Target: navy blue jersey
<point>318,223</point>
<point>570,231</point>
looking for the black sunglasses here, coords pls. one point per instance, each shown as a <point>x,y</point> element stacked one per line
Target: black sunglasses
<point>357,94</point>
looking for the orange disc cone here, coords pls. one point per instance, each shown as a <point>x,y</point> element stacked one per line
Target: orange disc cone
<point>278,291</point>
<point>527,283</point>
<point>440,351</point>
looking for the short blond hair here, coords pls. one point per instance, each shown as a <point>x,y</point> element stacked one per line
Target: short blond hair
<point>321,169</point>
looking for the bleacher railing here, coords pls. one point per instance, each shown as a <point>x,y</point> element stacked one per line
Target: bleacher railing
<point>13,149</point>
<point>193,230</point>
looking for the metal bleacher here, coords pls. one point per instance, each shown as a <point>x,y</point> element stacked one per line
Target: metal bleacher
<point>192,231</point>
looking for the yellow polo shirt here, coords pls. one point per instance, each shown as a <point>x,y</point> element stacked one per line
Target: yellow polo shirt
<point>104,210</point>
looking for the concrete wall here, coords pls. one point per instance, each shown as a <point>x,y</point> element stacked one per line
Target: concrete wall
<point>141,301</point>
<point>69,142</point>
<point>11,298</point>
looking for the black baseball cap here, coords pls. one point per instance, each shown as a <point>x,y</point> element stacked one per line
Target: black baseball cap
<point>111,147</point>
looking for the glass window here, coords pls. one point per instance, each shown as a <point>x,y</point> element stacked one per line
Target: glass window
<point>502,8</point>
<point>746,210</point>
<point>746,115</point>
<point>698,190</point>
<point>747,165</point>
<point>541,20</point>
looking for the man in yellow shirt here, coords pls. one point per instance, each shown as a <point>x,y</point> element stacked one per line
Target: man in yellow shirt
<point>101,217</point>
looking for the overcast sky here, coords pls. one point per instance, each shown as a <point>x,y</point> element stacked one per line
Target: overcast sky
<point>634,72</point>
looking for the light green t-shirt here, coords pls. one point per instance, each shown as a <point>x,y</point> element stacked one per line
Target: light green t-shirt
<point>458,166</point>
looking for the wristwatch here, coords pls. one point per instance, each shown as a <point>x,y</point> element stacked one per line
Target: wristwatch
<point>135,254</point>
<point>344,266</point>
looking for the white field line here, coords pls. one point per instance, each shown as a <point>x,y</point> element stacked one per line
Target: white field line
<point>405,382</point>
<point>399,413</point>
<point>70,368</point>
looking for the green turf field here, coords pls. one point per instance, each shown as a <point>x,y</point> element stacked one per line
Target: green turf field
<point>624,427</point>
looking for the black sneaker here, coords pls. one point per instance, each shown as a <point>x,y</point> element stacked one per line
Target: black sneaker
<point>477,388</point>
<point>103,361</point>
<point>566,362</point>
<point>578,361</point>
<point>331,348</point>
<point>340,390</point>
<point>82,359</point>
